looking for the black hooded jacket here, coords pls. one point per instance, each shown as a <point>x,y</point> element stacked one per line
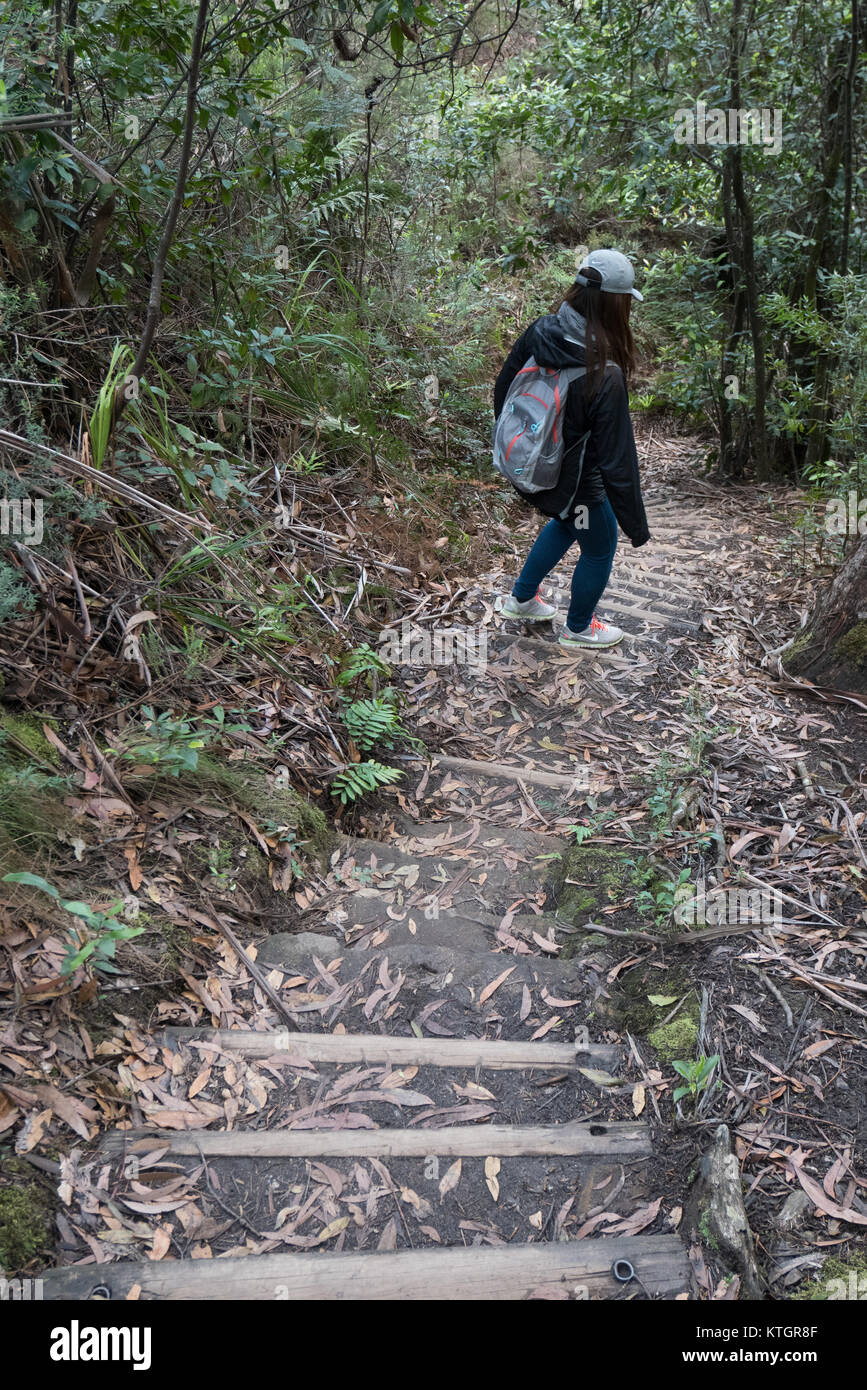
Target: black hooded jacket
<point>610,466</point>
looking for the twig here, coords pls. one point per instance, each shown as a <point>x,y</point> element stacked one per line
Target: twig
<point>823,989</point>
<point>794,901</point>
<point>104,766</point>
<point>87,629</point>
<point>608,931</point>
<point>65,462</point>
<point>772,989</point>
<point>222,927</point>
<point>798,1031</point>
<point>806,779</point>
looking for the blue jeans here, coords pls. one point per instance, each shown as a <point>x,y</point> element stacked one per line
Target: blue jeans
<point>598,542</point>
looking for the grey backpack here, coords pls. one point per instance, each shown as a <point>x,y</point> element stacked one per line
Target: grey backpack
<point>528,433</point>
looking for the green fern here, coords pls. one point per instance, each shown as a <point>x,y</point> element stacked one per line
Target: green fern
<point>362,661</point>
<point>369,722</point>
<point>359,778</point>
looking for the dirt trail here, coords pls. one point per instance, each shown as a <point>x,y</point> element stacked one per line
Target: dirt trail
<point>466,923</point>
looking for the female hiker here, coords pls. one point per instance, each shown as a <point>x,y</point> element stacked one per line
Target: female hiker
<point>599,484</point>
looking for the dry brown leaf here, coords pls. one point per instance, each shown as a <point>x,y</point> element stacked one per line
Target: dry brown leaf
<point>34,1128</point>
<point>162,1243</point>
<point>495,984</point>
<point>200,1083</point>
<point>546,1028</point>
<point>492,1168</point>
<point>631,1225</point>
<point>388,1239</point>
<point>545,945</point>
<point>822,1201</point>
<point>450,1178</point>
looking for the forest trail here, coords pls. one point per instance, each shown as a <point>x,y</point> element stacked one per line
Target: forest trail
<point>474,1120</point>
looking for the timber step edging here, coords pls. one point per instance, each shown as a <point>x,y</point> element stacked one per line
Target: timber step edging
<point>398,1051</point>
<point>580,1139</point>
<point>583,1268</point>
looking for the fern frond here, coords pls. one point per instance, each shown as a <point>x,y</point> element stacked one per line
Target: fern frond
<point>371,721</point>
<point>362,661</point>
<point>360,778</point>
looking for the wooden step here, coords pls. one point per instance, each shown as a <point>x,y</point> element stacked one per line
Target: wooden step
<point>400,1052</point>
<point>590,1140</point>
<point>580,1267</point>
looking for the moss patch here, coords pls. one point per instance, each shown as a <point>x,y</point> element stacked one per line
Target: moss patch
<point>798,644</point>
<point>853,645</point>
<point>23,1225</point>
<point>589,877</point>
<point>177,943</point>
<point>27,729</point>
<point>32,818</point>
<point>251,787</point>
<point>630,1010</point>
<point>229,854</point>
<point>675,1041</point>
<point>841,1279</point>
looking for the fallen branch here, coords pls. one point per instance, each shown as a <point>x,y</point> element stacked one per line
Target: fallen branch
<point>216,924</point>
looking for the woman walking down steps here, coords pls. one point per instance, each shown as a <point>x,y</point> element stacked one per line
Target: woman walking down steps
<point>599,483</point>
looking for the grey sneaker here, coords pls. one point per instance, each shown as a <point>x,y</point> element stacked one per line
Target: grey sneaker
<point>595,635</point>
<point>532,610</point>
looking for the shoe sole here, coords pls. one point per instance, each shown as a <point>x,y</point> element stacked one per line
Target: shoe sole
<point>529,617</point>
<point>589,646</point>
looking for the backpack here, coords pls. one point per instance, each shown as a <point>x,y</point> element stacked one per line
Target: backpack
<point>528,433</point>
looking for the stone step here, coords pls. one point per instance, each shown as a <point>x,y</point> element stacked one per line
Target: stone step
<point>485,877</point>
<point>619,601</point>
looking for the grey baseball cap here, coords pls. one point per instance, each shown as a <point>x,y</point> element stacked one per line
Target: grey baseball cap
<point>618,277</point>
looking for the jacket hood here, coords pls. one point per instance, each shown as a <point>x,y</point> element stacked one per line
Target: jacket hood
<point>557,340</point>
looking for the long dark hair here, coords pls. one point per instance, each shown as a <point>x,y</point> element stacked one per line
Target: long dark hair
<point>609,336</point>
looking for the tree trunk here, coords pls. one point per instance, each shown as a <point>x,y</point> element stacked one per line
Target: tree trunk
<point>748,282</point>
<point>832,649</point>
<point>156,291</point>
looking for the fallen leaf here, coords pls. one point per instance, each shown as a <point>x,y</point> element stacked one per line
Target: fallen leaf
<point>495,984</point>
<point>599,1078</point>
<point>631,1225</point>
<point>546,1027</point>
<point>751,1017</point>
<point>542,941</point>
<point>822,1201</point>
<point>333,1229</point>
<point>450,1178</point>
<point>526,1004</point>
<point>161,1245</point>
